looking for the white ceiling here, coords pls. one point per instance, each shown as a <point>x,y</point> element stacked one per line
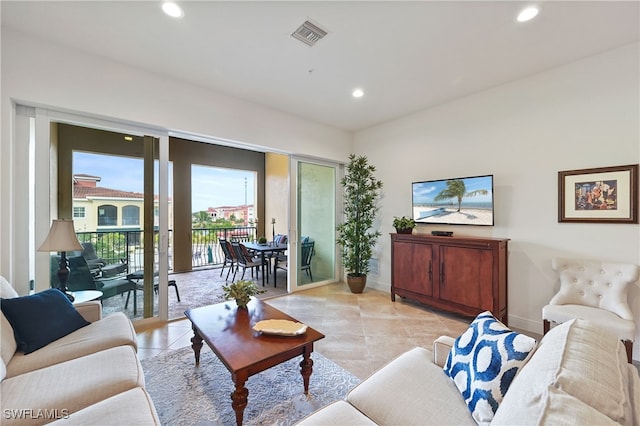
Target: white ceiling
<point>406,56</point>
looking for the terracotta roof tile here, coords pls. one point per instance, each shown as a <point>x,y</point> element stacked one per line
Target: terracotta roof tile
<point>80,191</point>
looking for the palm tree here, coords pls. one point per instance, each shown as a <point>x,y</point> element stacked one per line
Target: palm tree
<point>456,189</point>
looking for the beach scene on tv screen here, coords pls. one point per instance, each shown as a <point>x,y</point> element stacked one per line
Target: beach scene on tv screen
<point>464,201</point>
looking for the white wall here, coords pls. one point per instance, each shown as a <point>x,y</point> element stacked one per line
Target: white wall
<point>38,72</point>
<point>583,115</point>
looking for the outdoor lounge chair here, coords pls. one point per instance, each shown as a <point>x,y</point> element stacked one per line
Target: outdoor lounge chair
<point>98,266</point>
<point>81,278</point>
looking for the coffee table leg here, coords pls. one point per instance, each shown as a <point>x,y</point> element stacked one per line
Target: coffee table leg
<point>196,344</point>
<point>306,368</point>
<point>239,397</point>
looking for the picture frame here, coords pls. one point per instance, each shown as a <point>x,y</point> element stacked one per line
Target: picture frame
<point>599,195</point>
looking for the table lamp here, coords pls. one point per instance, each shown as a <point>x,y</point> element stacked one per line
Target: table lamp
<point>62,238</point>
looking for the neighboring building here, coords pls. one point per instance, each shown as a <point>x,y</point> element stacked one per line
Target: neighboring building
<point>97,208</point>
<point>244,212</point>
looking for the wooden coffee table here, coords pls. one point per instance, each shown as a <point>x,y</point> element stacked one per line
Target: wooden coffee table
<point>228,331</point>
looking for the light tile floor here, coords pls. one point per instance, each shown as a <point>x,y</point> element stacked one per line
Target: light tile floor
<point>363,331</point>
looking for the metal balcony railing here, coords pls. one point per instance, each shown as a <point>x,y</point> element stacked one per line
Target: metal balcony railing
<point>128,246</point>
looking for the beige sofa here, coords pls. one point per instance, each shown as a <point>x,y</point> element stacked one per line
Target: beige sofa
<point>578,374</point>
<point>91,376</point>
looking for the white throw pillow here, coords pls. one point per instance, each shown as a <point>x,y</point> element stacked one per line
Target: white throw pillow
<point>483,361</point>
<point>582,360</point>
<point>6,291</point>
<point>8,345</point>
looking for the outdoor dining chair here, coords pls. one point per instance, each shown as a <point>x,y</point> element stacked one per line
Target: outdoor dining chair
<point>229,257</point>
<point>244,260</point>
<point>306,253</point>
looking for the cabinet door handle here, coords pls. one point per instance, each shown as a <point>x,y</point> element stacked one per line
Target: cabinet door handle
<point>442,273</point>
<point>430,272</point>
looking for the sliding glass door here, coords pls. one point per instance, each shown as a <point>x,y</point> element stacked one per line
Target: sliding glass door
<point>312,247</point>
<point>123,226</point>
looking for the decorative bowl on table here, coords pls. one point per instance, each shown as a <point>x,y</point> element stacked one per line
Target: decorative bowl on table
<point>280,327</point>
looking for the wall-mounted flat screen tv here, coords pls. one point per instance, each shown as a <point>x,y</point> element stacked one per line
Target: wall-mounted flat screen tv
<point>458,201</point>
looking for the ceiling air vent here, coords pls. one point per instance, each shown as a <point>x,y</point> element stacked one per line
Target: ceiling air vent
<point>309,33</point>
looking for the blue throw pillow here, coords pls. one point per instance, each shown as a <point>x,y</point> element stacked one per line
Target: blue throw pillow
<point>484,360</point>
<point>41,318</point>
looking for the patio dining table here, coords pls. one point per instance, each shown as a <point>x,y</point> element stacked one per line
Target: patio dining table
<point>270,247</point>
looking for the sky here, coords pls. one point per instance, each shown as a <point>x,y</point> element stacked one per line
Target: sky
<point>424,192</point>
<point>210,186</point>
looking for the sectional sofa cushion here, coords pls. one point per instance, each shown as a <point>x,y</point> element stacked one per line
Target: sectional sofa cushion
<point>411,390</point>
<point>132,407</point>
<point>337,413</point>
<point>71,385</point>
<point>566,360</point>
<point>484,361</point>
<point>111,331</point>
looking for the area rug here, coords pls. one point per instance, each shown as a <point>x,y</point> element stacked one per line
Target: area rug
<point>187,395</point>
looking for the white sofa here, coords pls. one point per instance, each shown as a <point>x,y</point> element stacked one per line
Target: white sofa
<point>578,374</point>
<point>91,376</point>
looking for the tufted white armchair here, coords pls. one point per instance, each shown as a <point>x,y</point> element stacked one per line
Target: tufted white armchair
<point>596,291</point>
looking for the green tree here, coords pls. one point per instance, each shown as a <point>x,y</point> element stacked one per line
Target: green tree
<point>201,220</point>
<point>457,189</point>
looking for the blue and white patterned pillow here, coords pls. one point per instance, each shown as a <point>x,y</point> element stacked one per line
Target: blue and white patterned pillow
<point>484,360</point>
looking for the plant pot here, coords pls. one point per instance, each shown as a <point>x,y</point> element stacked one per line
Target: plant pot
<point>356,283</point>
<point>242,302</point>
<point>404,230</point>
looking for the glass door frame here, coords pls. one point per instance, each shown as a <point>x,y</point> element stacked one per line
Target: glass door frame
<point>294,223</point>
<point>45,204</point>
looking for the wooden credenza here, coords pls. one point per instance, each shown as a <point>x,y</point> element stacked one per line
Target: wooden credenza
<point>464,275</point>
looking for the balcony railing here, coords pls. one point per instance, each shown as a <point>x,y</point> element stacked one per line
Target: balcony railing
<point>128,246</point>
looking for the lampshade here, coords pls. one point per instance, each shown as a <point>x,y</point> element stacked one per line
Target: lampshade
<point>62,237</point>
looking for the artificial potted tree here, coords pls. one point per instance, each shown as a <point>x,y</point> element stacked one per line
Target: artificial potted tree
<point>355,234</point>
<point>403,225</point>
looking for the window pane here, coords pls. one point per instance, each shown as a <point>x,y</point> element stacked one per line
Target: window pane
<point>130,215</point>
<point>78,212</point>
<point>107,215</point>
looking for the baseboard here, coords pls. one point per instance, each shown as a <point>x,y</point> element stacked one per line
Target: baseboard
<point>377,286</point>
<point>531,327</point>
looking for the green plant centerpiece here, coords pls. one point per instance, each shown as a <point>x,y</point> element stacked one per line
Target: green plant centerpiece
<point>403,225</point>
<point>355,235</point>
<point>262,240</point>
<point>241,291</point>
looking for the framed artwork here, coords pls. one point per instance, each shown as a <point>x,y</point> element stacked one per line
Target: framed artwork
<point>601,195</point>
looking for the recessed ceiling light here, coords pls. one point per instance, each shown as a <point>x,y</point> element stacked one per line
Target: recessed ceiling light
<point>172,9</point>
<point>527,14</point>
<point>358,93</point>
